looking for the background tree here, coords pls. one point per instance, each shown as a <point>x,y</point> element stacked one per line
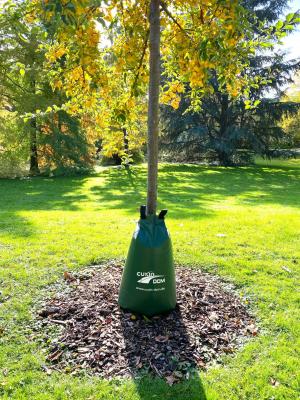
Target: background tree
<point>224,125</point>
<point>291,123</point>
<point>39,132</point>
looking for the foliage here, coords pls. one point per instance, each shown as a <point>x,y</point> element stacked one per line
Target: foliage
<point>13,146</point>
<point>27,97</point>
<point>226,125</point>
<point>129,23</point>
<point>197,38</point>
<point>63,143</point>
<point>291,123</point>
<point>106,85</point>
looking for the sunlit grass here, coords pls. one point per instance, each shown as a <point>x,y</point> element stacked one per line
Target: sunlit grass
<point>241,223</point>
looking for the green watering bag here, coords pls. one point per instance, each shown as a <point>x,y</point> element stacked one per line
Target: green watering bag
<point>148,282</point>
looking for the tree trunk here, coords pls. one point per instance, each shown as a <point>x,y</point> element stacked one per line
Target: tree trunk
<point>34,163</point>
<point>153,105</point>
<point>126,147</point>
<point>223,154</point>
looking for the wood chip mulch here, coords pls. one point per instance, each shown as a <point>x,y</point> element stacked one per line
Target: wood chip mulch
<point>97,336</point>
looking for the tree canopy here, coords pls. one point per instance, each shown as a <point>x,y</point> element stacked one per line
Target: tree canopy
<point>197,38</point>
<point>90,63</point>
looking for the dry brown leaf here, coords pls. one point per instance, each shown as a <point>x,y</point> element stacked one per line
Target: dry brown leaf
<point>69,277</point>
<point>161,338</point>
<point>171,379</point>
<point>55,356</point>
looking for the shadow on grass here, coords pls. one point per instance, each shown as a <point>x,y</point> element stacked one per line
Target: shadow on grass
<point>141,348</point>
<point>42,194</point>
<point>36,194</point>
<point>187,190</point>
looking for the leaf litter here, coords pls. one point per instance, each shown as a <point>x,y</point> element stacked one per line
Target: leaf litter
<point>97,336</point>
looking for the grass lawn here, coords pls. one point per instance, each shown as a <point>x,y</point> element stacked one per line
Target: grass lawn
<point>240,223</point>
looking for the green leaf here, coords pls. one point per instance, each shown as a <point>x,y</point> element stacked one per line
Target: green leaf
<point>279,25</point>
<point>289,17</point>
<point>266,44</point>
<point>22,71</point>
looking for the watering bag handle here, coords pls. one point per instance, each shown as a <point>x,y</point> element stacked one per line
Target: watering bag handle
<point>143,212</point>
<point>162,214</point>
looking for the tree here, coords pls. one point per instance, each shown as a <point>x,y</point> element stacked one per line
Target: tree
<point>153,108</point>
<point>20,84</point>
<point>198,38</point>
<point>47,135</point>
<point>224,125</point>
<point>291,123</point>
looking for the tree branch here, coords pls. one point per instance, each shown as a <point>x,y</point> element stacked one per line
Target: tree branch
<point>141,60</point>
<point>165,9</point>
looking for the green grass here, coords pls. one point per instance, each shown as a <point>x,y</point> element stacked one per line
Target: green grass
<point>50,225</point>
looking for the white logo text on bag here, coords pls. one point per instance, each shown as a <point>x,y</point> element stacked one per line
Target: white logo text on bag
<point>147,277</point>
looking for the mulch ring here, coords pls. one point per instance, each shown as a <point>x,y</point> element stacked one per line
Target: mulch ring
<point>97,336</point>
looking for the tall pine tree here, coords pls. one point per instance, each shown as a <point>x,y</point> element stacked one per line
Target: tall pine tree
<point>225,126</point>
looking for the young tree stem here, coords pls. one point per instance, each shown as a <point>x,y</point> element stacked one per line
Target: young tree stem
<point>153,105</point>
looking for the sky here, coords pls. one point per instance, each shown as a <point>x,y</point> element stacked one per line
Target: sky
<point>292,42</point>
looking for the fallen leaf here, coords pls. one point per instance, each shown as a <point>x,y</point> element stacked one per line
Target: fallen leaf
<point>137,360</point>
<point>213,316</point>
<point>171,379</point>
<point>252,329</point>
<point>161,338</point>
<point>55,356</point>
<point>69,277</point>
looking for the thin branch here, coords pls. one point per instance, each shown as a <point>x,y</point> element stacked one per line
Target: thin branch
<point>141,60</point>
<point>165,9</point>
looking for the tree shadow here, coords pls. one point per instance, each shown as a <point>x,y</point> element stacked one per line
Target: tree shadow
<point>163,359</point>
<point>36,194</point>
<point>12,224</point>
<point>189,190</point>
<point>61,193</point>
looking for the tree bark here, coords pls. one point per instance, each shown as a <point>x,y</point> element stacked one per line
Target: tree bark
<point>153,105</point>
<point>223,155</point>
<point>126,146</point>
<point>34,162</point>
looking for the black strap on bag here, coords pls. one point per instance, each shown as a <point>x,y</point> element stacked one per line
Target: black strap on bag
<point>143,212</point>
<point>162,214</point>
